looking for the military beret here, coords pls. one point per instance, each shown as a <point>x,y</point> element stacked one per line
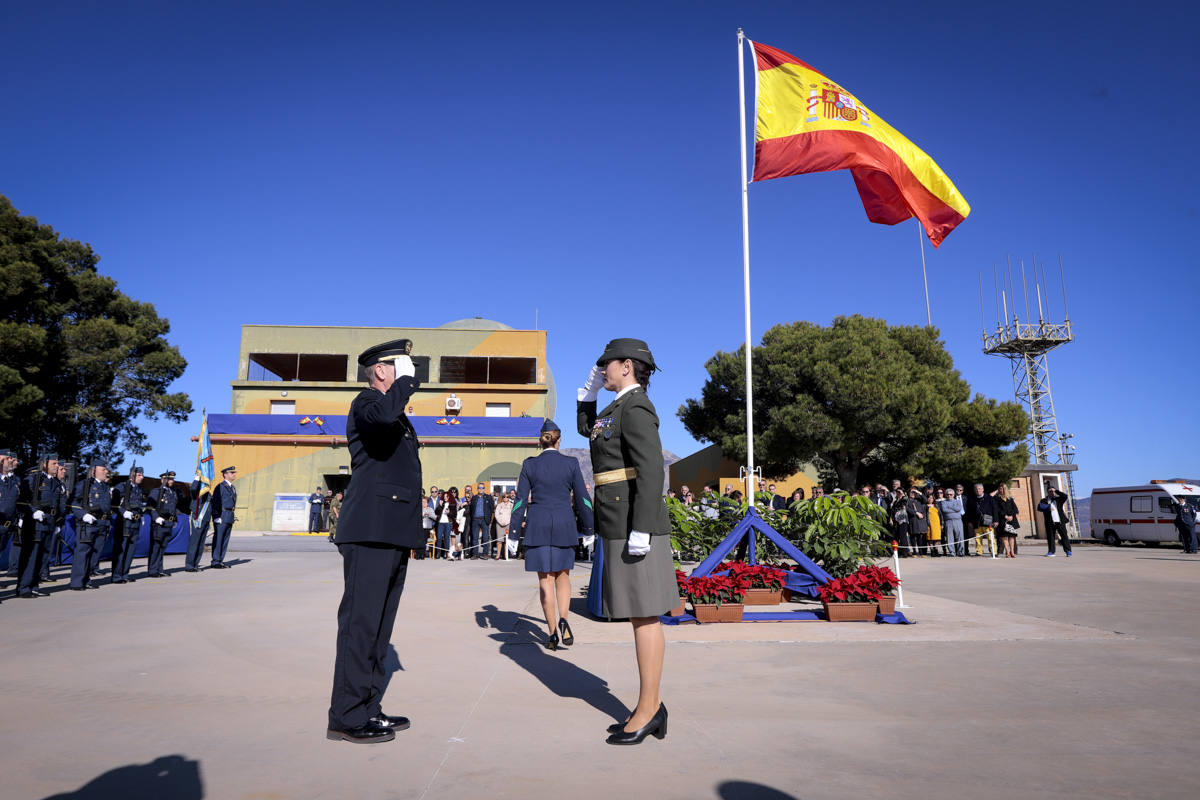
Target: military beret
<point>388,351</point>
<point>549,425</point>
<point>627,348</point>
<point>229,469</point>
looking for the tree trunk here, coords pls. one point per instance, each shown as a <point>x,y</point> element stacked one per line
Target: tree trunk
<point>847,472</point>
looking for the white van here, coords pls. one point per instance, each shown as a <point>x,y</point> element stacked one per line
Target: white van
<point>1140,513</point>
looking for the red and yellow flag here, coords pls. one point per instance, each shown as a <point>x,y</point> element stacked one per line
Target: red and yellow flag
<point>808,123</point>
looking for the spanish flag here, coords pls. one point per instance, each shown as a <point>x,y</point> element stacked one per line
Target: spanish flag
<point>808,123</point>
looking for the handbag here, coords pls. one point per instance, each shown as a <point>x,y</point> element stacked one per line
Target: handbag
<point>987,520</point>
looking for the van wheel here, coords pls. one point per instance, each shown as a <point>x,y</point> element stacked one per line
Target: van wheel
<point>1111,539</point>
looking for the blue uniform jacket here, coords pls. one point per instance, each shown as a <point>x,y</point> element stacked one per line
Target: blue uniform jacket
<point>224,501</point>
<point>544,501</point>
<point>10,490</point>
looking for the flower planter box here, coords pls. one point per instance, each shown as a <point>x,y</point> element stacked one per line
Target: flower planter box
<point>726,612</point>
<point>850,612</point>
<point>677,611</point>
<point>762,597</point>
<point>887,604</point>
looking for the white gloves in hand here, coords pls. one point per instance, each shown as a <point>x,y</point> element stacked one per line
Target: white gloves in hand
<point>511,546</point>
<point>592,386</point>
<point>39,515</point>
<point>405,368</point>
<point>639,543</point>
<point>158,520</point>
<point>589,540</point>
<point>20,522</point>
<point>127,515</point>
<point>89,519</point>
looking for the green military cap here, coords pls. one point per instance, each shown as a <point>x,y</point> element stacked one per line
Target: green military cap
<point>388,351</point>
<point>627,348</point>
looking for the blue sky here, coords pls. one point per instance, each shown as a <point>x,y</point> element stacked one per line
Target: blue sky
<point>396,164</point>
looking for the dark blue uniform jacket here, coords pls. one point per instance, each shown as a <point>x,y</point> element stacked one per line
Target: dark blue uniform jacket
<point>544,501</point>
<point>383,501</point>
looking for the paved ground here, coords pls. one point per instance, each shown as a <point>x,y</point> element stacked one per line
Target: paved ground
<point>1028,677</point>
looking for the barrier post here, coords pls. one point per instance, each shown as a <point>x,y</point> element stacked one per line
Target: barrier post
<point>896,569</point>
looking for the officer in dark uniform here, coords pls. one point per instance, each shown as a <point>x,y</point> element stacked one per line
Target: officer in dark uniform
<point>316,505</point>
<point>224,501</point>
<point>163,505</point>
<point>10,522</point>
<point>1185,523</point>
<point>40,495</point>
<point>93,511</point>
<point>197,528</point>
<point>380,523</point>
<point>53,546</point>
<point>130,500</point>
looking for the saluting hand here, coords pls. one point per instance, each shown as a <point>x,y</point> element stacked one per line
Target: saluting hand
<point>592,386</point>
<point>405,368</point>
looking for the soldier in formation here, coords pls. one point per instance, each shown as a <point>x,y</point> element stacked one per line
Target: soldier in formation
<point>93,506</point>
<point>130,501</point>
<point>40,500</point>
<point>163,506</point>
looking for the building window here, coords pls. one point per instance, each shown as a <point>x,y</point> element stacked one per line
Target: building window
<point>283,406</point>
<point>482,369</point>
<point>498,410</point>
<point>421,363</point>
<point>297,367</point>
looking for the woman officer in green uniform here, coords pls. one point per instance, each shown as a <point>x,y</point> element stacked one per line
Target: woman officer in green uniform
<point>631,519</point>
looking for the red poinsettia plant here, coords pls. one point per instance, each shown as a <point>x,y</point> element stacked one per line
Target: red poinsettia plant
<point>757,576</point>
<point>716,589</point>
<point>855,588</point>
<point>681,580</point>
<point>884,579</point>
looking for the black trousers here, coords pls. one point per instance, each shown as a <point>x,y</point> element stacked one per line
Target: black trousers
<point>197,536</point>
<point>1060,530</point>
<point>30,566</point>
<point>124,543</point>
<point>159,534</point>
<point>374,579</point>
<point>98,547</point>
<point>87,539</point>
<point>51,552</point>
<point>1187,537</point>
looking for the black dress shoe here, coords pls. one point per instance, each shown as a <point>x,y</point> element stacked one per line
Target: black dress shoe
<point>568,638</point>
<point>552,642</point>
<point>656,726</point>
<point>395,723</point>
<point>39,593</point>
<point>120,580</point>
<point>363,734</point>
<point>157,575</point>
<point>191,569</point>
<point>78,588</point>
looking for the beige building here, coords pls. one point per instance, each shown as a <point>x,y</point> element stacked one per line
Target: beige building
<point>710,465</point>
<point>485,389</point>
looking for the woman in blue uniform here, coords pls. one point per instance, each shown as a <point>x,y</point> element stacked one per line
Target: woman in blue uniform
<point>550,496</point>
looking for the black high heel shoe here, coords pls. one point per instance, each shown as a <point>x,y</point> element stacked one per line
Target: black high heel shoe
<point>616,727</point>
<point>552,643</point>
<point>656,726</point>
<point>568,637</point>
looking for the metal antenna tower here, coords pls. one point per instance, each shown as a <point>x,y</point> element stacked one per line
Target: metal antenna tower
<point>1026,345</point>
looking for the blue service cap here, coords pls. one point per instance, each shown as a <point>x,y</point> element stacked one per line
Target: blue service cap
<point>549,425</point>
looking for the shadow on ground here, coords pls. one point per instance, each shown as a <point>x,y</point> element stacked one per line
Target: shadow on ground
<point>521,640</point>
<point>173,777</point>
<point>745,790</point>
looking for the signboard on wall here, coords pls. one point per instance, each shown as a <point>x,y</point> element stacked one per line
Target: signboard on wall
<point>290,512</point>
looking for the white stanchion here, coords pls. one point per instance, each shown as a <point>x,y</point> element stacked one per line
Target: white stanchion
<point>896,569</point>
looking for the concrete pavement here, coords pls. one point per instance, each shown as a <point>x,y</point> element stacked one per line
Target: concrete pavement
<point>1027,677</point>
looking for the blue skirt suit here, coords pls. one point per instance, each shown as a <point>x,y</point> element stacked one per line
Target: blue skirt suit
<point>553,504</point>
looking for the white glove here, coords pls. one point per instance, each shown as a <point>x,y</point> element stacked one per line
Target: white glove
<point>20,522</point>
<point>57,530</point>
<point>89,519</point>
<point>405,368</point>
<point>588,540</point>
<point>639,543</point>
<point>199,477</point>
<point>127,515</point>
<point>592,386</point>
<point>39,515</point>
<point>510,545</point>
<point>158,520</point>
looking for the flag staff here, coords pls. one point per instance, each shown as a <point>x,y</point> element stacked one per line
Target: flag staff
<point>924,276</point>
<point>746,269</point>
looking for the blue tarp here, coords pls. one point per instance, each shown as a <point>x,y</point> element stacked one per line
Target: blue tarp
<point>817,615</point>
<point>176,544</point>
<point>335,425</point>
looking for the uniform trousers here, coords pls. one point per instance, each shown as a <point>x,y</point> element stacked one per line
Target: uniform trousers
<point>88,540</point>
<point>1187,536</point>
<point>51,551</point>
<point>98,546</point>
<point>14,555</point>
<point>374,580</point>
<point>159,534</point>
<point>984,534</point>
<point>124,543</point>
<point>8,536</point>
<point>221,531</point>
<point>314,520</point>
<point>197,535</point>
<point>29,568</point>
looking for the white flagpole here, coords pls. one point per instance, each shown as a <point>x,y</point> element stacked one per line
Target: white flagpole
<point>921,236</point>
<point>746,270</point>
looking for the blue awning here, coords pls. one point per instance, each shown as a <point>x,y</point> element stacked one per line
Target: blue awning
<point>321,425</point>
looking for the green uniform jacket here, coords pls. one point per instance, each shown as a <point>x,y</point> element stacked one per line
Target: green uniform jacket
<point>625,434</point>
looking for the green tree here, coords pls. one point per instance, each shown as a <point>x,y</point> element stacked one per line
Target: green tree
<point>857,394</point>
<point>81,362</point>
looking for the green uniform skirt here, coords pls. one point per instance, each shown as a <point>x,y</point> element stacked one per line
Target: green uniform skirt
<point>639,586</point>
